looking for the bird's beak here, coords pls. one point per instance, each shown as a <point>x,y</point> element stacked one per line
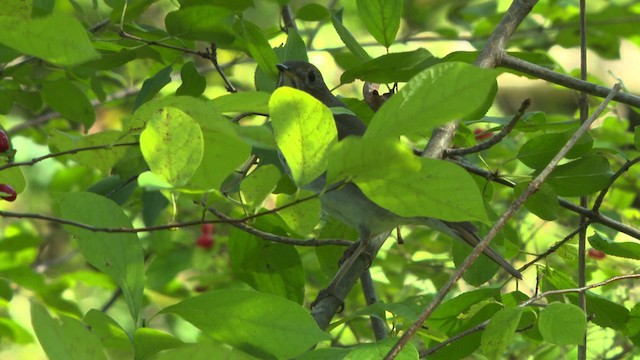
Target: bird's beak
<point>287,77</point>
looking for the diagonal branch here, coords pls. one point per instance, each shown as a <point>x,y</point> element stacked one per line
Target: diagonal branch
<point>533,187</point>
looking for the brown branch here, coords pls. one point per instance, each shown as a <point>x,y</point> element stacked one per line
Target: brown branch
<point>540,72</point>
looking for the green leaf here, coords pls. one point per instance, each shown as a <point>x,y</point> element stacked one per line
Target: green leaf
<point>263,325</point>
<point>202,350</point>
<point>544,202</point>
<point>437,95</point>
<point>629,250</point>
<point>304,130</point>
<point>256,101</point>
<point>148,341</point>
<point>389,68</point>
<point>202,22</point>
<point>379,349</point>
<point>14,177</point>
<point>636,137</point>
<point>581,177</point>
<point>562,324</point>
<point>382,19</point>
<point>237,5</point>
<point>66,338</point>
<point>446,314</point>
<point>499,332</point>
<point>172,144</point>
<point>64,97</point>
<point>111,334</point>
<point>152,86</point>
<point>301,218</point>
<point>102,159</point>
<point>59,39</point>
<point>193,84</point>
<point>606,313</point>
<point>267,267</point>
<point>312,12</point>
<point>538,152</point>
<point>259,184</point>
<point>260,49</point>
<point>223,152</point>
<point>439,189</point>
<point>361,158</point>
<point>118,255</point>
<point>348,39</point>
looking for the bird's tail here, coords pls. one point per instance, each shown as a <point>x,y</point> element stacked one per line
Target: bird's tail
<point>467,232</point>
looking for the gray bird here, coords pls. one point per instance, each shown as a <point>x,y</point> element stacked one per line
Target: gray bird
<point>348,203</point>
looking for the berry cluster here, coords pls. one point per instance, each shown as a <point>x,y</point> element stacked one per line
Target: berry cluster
<point>6,191</point>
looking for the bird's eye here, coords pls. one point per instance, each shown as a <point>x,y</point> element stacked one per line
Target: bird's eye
<point>311,76</point>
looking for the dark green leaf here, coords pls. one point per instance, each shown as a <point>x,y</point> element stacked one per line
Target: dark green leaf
<point>58,39</point>
<point>562,324</point>
<point>636,137</point>
<point>73,104</point>
<point>581,177</point>
<point>606,313</point>
<point>260,49</point>
<point>348,39</point>
<point>389,68</point>
<point>544,202</point>
<point>261,324</point>
<point>629,250</point>
<point>193,84</point>
<point>152,86</point>
<point>237,5</point>
<point>538,152</point>
<point>382,18</point>
<point>267,267</point>
<point>203,22</point>
<point>312,12</point>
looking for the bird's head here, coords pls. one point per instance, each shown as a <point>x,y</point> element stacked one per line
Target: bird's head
<point>306,77</point>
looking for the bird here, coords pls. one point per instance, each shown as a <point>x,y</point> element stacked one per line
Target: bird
<point>347,203</point>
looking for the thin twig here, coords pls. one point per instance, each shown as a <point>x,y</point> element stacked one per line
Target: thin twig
<point>66,152</point>
<point>598,202</point>
<point>276,238</point>
<point>495,139</point>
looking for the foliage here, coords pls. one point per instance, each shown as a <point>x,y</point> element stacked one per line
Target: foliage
<point>154,218</point>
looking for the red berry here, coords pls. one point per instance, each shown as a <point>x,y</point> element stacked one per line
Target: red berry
<point>208,229</point>
<point>482,134</point>
<point>205,241</point>
<point>11,193</point>
<point>596,254</point>
<point>4,142</point>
